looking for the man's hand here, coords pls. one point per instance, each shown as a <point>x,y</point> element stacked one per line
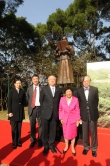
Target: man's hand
<point>10,115</point>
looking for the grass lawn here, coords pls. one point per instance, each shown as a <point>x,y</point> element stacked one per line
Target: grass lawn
<point>3,115</point>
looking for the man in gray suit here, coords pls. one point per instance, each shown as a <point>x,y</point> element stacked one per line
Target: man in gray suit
<point>33,95</point>
<point>88,101</point>
<point>49,99</point>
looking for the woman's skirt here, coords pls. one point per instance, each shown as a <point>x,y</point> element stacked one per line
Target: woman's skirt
<point>69,131</point>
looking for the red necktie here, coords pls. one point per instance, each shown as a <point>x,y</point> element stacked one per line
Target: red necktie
<point>33,98</point>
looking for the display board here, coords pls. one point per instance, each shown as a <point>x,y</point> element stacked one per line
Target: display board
<point>99,73</point>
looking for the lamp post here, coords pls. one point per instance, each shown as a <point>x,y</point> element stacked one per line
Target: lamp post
<point>8,73</point>
<point>8,84</point>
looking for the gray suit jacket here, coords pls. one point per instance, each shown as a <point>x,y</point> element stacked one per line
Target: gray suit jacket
<point>29,98</point>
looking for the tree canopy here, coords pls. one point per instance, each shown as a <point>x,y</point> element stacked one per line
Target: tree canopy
<point>25,48</point>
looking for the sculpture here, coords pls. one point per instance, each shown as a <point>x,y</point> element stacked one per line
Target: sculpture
<point>64,52</point>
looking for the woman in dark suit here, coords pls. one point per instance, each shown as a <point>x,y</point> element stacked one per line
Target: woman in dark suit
<point>16,112</point>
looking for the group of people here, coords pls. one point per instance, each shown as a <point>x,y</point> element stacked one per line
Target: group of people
<point>48,105</point>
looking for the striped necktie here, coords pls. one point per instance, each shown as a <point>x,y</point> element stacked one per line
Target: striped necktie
<point>33,98</point>
<point>53,93</point>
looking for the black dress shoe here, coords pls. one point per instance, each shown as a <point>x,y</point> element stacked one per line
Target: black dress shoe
<point>94,154</point>
<point>40,144</point>
<point>20,145</point>
<point>74,154</point>
<point>84,152</point>
<point>64,151</point>
<point>53,150</point>
<point>32,144</point>
<point>14,147</point>
<point>45,151</point>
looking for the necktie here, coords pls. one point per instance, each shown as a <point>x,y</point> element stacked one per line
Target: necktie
<point>53,92</point>
<point>33,98</point>
<point>86,88</point>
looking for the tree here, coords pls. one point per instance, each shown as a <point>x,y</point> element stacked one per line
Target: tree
<point>9,6</point>
<point>85,20</point>
<point>56,24</point>
<point>44,59</point>
<point>19,44</point>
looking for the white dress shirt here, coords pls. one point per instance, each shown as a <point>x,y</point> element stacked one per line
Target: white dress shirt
<point>37,102</point>
<point>69,101</point>
<point>17,90</point>
<point>86,93</point>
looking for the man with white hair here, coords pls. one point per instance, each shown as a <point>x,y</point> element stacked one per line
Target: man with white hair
<point>49,99</point>
<point>88,101</point>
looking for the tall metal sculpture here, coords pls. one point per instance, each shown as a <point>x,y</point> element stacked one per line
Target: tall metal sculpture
<point>64,52</point>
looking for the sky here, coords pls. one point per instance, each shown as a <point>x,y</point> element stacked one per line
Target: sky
<point>38,11</point>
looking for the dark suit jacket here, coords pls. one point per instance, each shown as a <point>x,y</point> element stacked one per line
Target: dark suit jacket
<point>92,103</point>
<point>29,98</point>
<point>49,104</point>
<point>16,104</point>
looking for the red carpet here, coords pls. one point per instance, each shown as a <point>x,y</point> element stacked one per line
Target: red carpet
<point>33,157</point>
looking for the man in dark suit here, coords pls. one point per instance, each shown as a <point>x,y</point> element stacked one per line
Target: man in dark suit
<point>33,95</point>
<point>49,99</point>
<point>16,101</point>
<point>88,100</point>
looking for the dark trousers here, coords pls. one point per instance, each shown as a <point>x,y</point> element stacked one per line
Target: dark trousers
<point>48,132</point>
<point>16,132</point>
<point>92,126</point>
<point>35,114</point>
